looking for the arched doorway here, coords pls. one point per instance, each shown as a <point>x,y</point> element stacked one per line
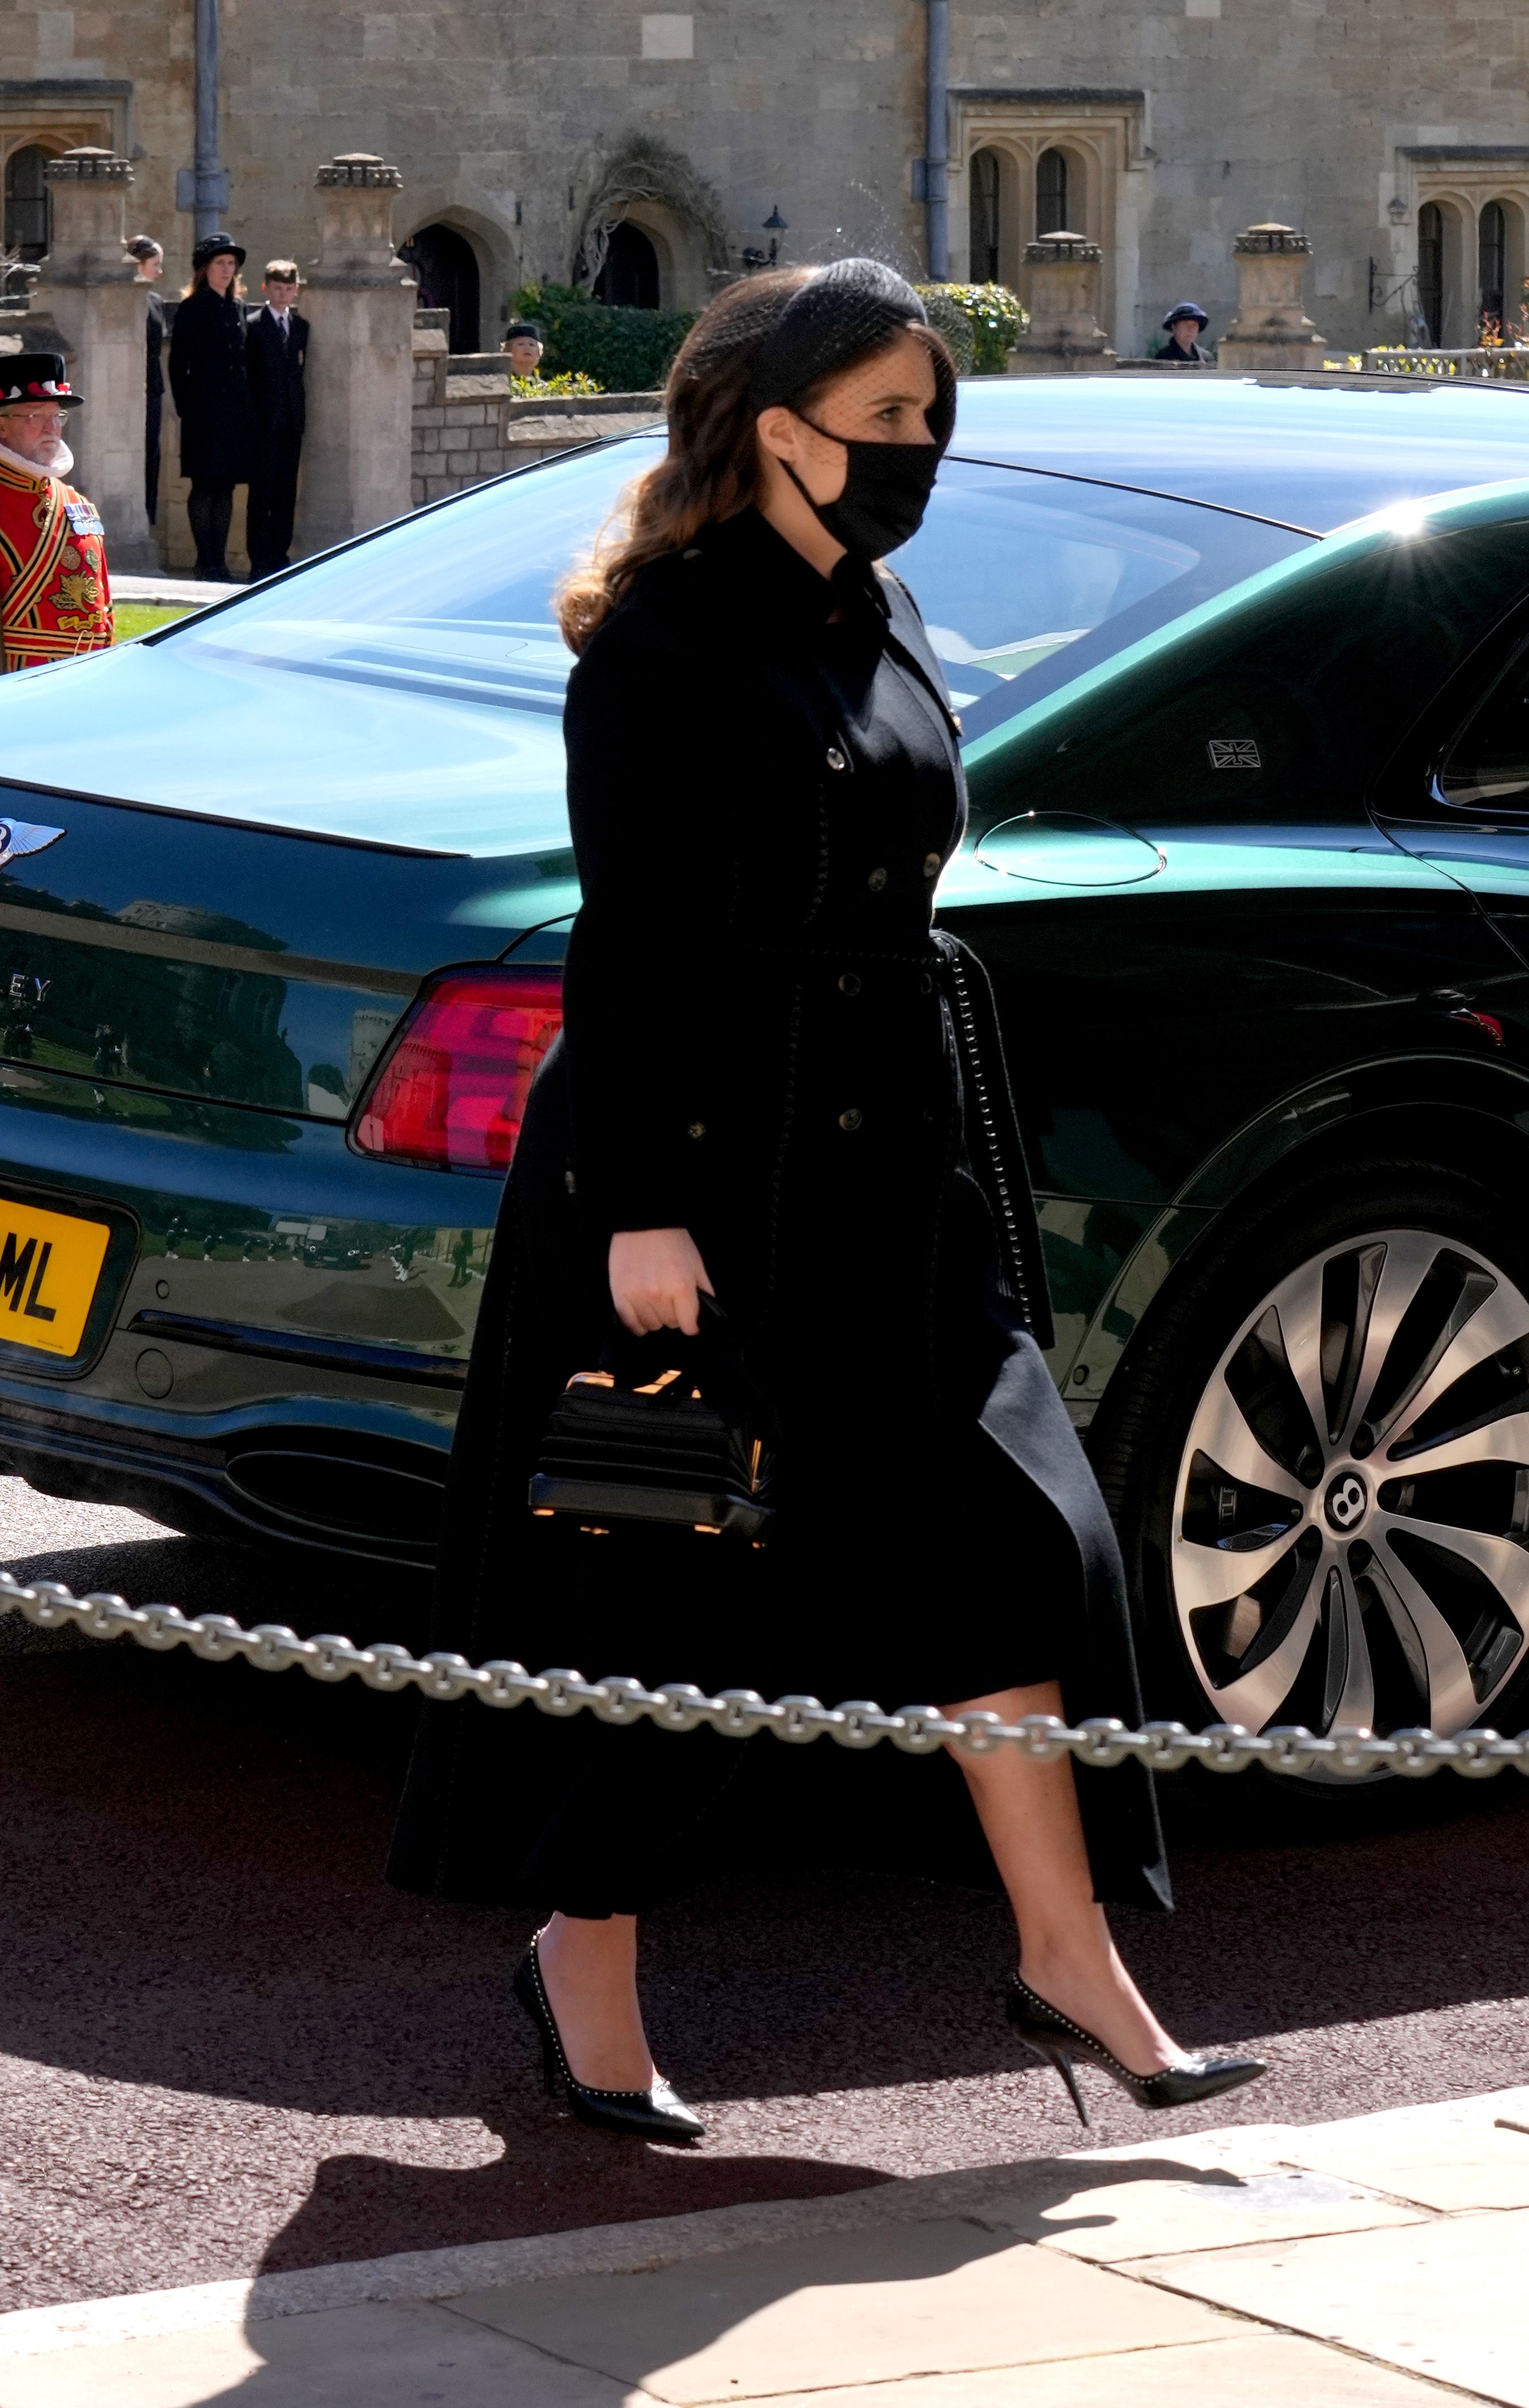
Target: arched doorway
<point>1491,263</point>
<point>447,268</point>
<point>628,276</point>
<point>1051,196</point>
<point>986,192</point>
<point>26,203</point>
<point>1431,269</point>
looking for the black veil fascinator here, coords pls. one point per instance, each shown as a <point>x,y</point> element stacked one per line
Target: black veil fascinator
<point>840,315</point>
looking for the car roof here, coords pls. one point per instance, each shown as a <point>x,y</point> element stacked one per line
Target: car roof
<point>1310,455</point>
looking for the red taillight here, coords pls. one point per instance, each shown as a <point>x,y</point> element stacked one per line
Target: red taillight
<point>450,1090</point>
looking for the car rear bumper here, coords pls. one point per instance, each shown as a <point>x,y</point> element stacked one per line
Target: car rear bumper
<point>288,1341</point>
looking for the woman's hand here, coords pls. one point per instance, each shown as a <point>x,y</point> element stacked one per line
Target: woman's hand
<point>654,1276</point>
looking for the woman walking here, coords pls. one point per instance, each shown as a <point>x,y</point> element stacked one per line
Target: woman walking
<point>212,396</point>
<point>779,1087</point>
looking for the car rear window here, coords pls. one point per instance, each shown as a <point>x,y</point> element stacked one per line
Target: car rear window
<point>1022,579</point>
<point>1026,580</point>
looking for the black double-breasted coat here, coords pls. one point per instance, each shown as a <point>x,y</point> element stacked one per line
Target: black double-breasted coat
<point>211,389</point>
<point>274,364</point>
<point>766,1044</point>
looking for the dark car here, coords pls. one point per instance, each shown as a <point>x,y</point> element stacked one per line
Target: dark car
<point>285,894</point>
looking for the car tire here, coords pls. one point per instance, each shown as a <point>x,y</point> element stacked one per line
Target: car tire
<point>1317,1455</point>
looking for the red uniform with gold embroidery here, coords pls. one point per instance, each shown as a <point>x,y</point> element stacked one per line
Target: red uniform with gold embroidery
<point>55,596</point>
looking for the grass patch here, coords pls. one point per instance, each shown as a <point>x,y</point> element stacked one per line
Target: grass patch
<point>142,618</point>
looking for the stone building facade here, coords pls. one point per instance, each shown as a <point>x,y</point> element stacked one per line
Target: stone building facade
<point>1394,134</point>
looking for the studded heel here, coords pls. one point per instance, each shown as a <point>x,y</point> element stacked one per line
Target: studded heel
<point>655,2115</point>
<point>1059,2041</point>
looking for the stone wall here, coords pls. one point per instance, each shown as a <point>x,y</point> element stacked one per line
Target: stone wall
<point>468,426</point>
<point>1183,120</point>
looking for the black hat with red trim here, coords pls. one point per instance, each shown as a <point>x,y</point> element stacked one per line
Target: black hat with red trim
<point>36,376</point>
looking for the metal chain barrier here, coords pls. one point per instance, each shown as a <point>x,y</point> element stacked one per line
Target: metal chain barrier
<point>739,1714</point>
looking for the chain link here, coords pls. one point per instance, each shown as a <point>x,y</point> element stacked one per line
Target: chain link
<point>739,1714</point>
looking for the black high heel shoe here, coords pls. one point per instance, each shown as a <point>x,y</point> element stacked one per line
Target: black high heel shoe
<point>1053,2036</point>
<point>655,2115</point>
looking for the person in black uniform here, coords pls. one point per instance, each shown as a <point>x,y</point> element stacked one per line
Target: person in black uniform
<point>275,351</point>
<point>148,257</point>
<point>212,396</point>
<point>778,1086</point>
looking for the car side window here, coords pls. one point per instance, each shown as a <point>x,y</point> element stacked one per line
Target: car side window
<point>1487,764</point>
<point>1297,705</point>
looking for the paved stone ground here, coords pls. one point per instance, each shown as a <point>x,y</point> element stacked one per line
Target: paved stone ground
<point>226,2047</point>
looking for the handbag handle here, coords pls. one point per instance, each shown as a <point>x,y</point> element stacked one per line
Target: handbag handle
<point>708,1361</point>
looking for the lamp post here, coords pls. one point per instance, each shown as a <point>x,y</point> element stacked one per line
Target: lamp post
<point>754,259</point>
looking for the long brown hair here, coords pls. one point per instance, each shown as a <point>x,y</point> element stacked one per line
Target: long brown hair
<point>199,281</point>
<point>711,467</point>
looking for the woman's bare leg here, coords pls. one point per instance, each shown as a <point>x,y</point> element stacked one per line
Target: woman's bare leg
<point>590,1970</point>
<point>1028,1813</point>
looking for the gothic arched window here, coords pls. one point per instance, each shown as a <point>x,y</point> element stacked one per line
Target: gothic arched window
<point>1051,193</point>
<point>1431,269</point>
<point>1492,255</point>
<point>986,185</point>
<point>26,203</point>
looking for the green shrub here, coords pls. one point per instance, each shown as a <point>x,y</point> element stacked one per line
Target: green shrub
<point>623,350</point>
<point>535,387</point>
<point>982,323</point>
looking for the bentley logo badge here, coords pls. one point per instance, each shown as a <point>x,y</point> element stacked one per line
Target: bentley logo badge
<point>22,836</point>
<point>1346,1501</point>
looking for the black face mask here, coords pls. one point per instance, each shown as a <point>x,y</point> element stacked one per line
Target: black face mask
<point>886,491</point>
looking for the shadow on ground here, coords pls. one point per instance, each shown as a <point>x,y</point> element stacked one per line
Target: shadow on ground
<point>229,2046</point>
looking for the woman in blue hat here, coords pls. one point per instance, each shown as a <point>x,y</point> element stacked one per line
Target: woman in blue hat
<point>1184,323</point>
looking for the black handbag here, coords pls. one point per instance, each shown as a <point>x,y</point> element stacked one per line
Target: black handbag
<point>647,1438</point>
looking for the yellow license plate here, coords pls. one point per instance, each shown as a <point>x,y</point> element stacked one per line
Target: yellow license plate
<point>50,1262</point>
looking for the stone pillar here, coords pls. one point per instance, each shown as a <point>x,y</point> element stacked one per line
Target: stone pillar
<point>95,299</point>
<point>359,301</point>
<point>1271,329</point>
<point>1060,288</point>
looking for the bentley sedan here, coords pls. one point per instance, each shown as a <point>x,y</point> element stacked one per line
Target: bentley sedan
<point>1244,672</point>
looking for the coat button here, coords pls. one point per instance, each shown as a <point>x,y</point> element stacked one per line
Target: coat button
<point>849,1120</point>
<point>933,864</point>
<point>877,880</point>
<point>835,758</point>
<point>848,983</point>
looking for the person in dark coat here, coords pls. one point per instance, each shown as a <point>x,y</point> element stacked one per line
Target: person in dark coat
<point>148,257</point>
<point>1184,323</point>
<point>275,353</point>
<point>778,1085</point>
<point>211,393</point>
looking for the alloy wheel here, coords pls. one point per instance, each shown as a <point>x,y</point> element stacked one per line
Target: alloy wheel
<point>1350,1526</point>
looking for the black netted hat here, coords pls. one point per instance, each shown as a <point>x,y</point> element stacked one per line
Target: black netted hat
<point>842,314</point>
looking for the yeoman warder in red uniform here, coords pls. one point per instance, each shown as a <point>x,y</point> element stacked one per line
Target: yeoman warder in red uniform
<point>55,599</point>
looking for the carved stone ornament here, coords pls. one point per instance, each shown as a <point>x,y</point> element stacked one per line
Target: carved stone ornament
<point>1261,240</point>
<point>361,168</point>
<point>1062,245</point>
<point>88,163</point>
